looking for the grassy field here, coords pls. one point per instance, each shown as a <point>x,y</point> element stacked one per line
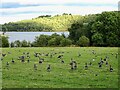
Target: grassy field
<point>23,75</point>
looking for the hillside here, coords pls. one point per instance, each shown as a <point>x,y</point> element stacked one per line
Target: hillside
<point>44,23</point>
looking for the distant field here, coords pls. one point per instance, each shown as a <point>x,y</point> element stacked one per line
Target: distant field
<point>23,75</point>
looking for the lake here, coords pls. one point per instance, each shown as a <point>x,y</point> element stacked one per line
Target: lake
<point>29,36</point>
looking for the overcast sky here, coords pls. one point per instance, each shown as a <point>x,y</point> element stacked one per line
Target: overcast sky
<point>15,10</point>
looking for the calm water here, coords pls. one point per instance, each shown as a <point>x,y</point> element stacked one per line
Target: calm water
<point>29,36</point>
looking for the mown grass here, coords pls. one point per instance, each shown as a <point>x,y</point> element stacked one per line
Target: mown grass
<point>23,75</point>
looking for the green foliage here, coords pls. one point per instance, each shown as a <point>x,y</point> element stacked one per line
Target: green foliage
<point>83,41</point>
<point>107,28</point>
<point>101,29</point>
<point>75,31</point>
<point>4,41</point>
<point>97,39</point>
<point>12,44</point>
<point>45,40</point>
<point>53,40</point>
<point>54,35</point>
<point>81,28</point>
<point>65,42</point>
<point>17,43</point>
<point>29,44</point>
<point>42,40</point>
<point>24,43</point>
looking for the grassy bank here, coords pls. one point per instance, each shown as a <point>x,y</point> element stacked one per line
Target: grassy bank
<point>23,75</point>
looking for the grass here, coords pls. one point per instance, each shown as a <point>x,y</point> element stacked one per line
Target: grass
<point>23,75</point>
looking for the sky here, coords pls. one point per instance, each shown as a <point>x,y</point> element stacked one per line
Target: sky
<point>16,10</point>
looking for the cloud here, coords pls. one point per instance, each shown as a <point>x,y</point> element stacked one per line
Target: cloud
<point>14,10</point>
<point>62,1</point>
<point>15,14</point>
<point>57,9</point>
<point>25,3</point>
<point>18,5</point>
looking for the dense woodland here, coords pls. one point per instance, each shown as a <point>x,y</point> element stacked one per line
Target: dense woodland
<point>90,30</point>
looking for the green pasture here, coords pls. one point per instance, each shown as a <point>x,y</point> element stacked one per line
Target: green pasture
<point>23,75</point>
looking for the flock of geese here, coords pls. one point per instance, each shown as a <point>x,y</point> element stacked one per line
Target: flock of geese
<point>73,64</point>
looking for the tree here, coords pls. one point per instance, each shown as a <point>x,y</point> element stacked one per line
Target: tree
<point>105,29</point>
<point>52,42</point>
<point>4,41</point>
<point>29,44</point>
<point>112,40</point>
<point>65,42</point>
<point>12,44</point>
<point>17,43</point>
<point>97,39</point>
<point>41,40</point>
<point>55,39</point>
<point>75,31</point>
<point>54,35</point>
<point>83,41</point>
<point>64,14</point>
<point>63,35</point>
<point>24,43</point>
<point>81,27</point>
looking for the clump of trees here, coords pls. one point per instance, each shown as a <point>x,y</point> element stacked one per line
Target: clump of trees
<point>53,40</point>
<point>40,41</point>
<point>105,29</point>
<point>99,30</point>
<point>19,43</point>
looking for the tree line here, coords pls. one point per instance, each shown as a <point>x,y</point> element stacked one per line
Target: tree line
<point>55,40</point>
<point>42,23</point>
<point>100,29</point>
<point>90,30</point>
<point>40,41</point>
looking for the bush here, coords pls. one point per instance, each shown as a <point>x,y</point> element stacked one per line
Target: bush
<point>24,43</point>
<point>55,40</point>
<point>17,43</point>
<point>83,41</point>
<point>65,42</point>
<point>12,44</point>
<point>52,42</point>
<point>41,40</point>
<point>4,41</point>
